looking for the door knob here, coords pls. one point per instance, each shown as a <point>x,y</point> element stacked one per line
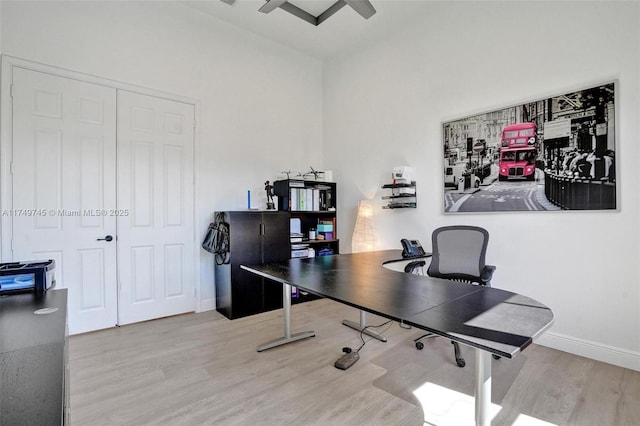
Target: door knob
<point>107,238</point>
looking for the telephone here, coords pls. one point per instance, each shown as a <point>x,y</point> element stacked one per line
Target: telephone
<point>411,248</point>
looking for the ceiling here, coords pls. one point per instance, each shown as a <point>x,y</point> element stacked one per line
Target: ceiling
<point>342,33</point>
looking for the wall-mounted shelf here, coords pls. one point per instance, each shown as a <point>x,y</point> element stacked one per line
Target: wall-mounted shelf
<point>403,196</point>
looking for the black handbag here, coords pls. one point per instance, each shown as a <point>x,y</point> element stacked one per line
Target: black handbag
<point>216,240</point>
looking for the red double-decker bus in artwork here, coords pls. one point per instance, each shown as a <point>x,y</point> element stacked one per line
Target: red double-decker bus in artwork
<point>518,152</point>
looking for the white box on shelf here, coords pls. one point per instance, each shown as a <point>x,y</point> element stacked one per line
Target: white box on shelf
<point>402,172</point>
<point>299,253</point>
<point>406,191</point>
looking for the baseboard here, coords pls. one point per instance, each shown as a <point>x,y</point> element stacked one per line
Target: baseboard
<point>599,352</point>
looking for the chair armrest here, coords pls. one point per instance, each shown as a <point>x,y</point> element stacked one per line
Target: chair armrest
<point>487,274</point>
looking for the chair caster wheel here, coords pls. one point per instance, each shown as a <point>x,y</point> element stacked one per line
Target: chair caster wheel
<point>419,346</point>
<point>461,362</point>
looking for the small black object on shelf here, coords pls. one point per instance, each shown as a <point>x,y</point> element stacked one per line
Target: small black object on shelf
<point>269,189</point>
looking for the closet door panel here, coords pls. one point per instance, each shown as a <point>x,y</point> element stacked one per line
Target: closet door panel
<point>64,163</point>
<point>155,195</point>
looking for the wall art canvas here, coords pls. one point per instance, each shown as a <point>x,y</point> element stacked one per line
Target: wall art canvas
<point>556,153</point>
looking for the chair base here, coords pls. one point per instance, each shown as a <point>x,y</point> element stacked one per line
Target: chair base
<point>456,349</point>
<point>460,362</point>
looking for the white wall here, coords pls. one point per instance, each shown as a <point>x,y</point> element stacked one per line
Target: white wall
<point>260,103</point>
<point>385,107</point>
<point>381,108</point>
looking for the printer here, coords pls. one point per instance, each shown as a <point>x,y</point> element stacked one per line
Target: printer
<point>27,276</point>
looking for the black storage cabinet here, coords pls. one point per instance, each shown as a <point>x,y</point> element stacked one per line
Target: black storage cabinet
<point>34,368</point>
<point>254,238</point>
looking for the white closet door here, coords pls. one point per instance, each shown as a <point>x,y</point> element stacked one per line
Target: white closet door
<point>155,192</point>
<point>64,192</point>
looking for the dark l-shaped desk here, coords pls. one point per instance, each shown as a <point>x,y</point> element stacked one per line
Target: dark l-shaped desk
<point>491,320</point>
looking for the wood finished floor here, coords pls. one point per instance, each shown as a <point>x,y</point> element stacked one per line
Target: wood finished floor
<point>198,369</point>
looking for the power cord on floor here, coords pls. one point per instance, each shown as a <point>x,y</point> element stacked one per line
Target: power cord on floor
<point>350,356</point>
<point>387,323</point>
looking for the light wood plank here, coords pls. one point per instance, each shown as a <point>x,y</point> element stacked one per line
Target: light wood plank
<point>198,369</point>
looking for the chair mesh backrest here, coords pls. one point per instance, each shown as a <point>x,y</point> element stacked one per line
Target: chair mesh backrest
<point>458,252</point>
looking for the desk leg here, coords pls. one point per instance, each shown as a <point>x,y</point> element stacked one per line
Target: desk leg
<point>362,325</point>
<point>483,387</point>
<point>288,337</point>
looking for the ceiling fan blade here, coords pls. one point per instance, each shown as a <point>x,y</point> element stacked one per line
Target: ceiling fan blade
<point>363,7</point>
<point>229,2</point>
<point>271,5</point>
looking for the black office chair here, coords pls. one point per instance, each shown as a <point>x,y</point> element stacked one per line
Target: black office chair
<point>458,254</point>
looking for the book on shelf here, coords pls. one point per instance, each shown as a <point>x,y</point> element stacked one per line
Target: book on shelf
<point>302,199</point>
<point>309,199</point>
<point>308,202</point>
<point>316,199</point>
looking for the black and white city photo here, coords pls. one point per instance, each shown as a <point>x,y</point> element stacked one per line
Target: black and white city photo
<point>556,153</point>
